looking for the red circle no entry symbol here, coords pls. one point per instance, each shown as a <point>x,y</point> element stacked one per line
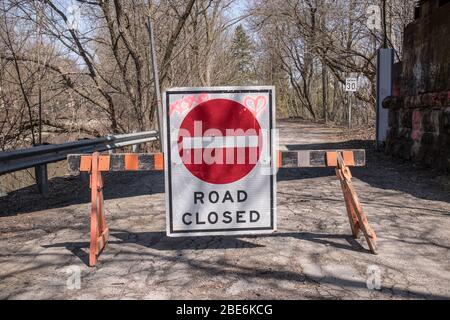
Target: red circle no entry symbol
<point>220,141</point>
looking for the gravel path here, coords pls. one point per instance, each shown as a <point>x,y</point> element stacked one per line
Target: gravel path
<point>43,242</point>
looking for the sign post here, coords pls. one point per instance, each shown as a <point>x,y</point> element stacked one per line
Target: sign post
<point>220,160</point>
<point>350,86</point>
<point>385,62</point>
<point>155,79</point>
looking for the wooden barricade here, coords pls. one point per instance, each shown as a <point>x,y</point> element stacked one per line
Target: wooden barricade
<point>341,160</point>
<point>357,217</point>
<point>95,164</point>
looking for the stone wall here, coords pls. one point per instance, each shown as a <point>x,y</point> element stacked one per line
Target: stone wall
<point>419,110</point>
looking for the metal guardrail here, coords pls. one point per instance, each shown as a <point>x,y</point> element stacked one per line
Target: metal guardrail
<point>11,161</point>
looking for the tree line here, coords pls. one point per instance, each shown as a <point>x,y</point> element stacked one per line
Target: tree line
<point>82,68</point>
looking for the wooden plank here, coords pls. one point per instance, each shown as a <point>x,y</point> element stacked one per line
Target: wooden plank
<point>95,191</point>
<point>131,162</point>
<point>102,241</point>
<point>352,217</point>
<point>159,161</point>
<point>349,158</point>
<point>317,158</point>
<point>303,158</point>
<point>73,162</point>
<point>279,159</point>
<point>321,158</point>
<point>148,161</point>
<point>368,232</point>
<point>352,201</point>
<point>331,159</point>
<point>85,163</point>
<point>103,163</point>
<point>117,162</point>
<point>360,158</point>
<point>289,159</point>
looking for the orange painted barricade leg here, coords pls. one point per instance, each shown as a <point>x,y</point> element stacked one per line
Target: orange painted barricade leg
<point>99,229</point>
<point>95,164</point>
<point>357,217</point>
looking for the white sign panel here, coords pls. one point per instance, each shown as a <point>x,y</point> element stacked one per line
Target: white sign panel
<point>351,85</point>
<point>219,160</point>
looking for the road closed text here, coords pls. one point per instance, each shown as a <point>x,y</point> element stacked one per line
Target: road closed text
<point>225,217</point>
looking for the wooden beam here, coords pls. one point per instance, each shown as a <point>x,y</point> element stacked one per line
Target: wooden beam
<point>320,158</point>
<point>117,162</point>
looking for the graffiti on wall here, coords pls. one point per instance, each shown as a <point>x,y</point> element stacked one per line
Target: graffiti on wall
<point>416,120</point>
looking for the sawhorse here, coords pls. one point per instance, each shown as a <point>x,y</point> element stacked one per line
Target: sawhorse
<point>341,160</point>
<point>95,164</point>
<point>356,216</point>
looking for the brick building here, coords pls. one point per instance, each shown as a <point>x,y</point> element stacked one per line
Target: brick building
<point>419,108</point>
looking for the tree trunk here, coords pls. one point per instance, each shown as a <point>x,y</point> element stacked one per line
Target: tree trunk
<point>325,91</point>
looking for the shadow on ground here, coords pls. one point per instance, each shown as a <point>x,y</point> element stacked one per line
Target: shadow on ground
<point>222,267</point>
<point>66,191</point>
<point>159,241</point>
<point>381,171</point>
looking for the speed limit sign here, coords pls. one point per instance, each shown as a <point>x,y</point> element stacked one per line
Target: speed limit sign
<point>350,85</point>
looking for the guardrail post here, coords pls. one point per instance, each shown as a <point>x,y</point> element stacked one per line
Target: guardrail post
<point>84,176</point>
<point>42,178</point>
<point>2,191</point>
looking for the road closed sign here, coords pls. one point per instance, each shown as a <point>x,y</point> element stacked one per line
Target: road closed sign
<point>220,160</point>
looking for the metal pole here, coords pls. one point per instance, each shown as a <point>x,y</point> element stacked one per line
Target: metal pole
<point>42,179</point>
<point>349,98</point>
<point>156,81</point>
<point>3,192</point>
<point>385,44</point>
<point>385,62</point>
<point>135,147</point>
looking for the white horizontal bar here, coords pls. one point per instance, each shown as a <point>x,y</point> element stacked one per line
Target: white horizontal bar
<point>220,142</point>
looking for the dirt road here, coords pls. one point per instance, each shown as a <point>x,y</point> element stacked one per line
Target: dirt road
<point>43,242</point>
